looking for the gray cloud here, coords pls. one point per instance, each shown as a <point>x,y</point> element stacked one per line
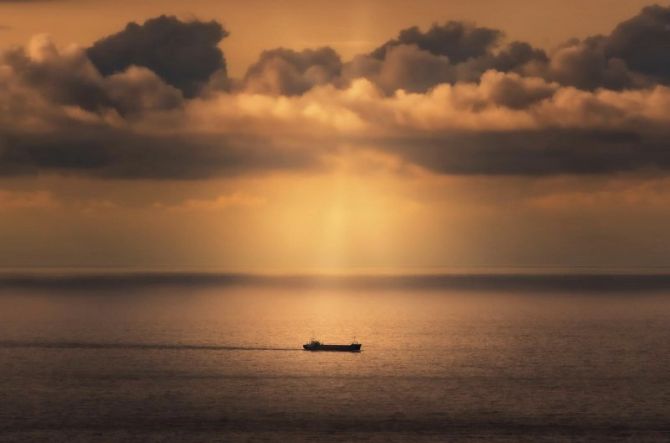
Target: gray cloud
<point>71,79</point>
<point>516,55</point>
<point>123,108</point>
<point>536,153</point>
<point>288,72</point>
<point>513,93</point>
<point>60,115</point>
<point>414,69</point>
<point>585,65</point>
<point>643,42</point>
<point>107,152</point>
<point>456,40</point>
<point>635,54</point>
<point>403,67</point>
<point>416,61</point>
<point>61,79</point>
<point>183,54</point>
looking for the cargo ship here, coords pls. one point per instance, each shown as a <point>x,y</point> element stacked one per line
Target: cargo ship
<point>316,345</point>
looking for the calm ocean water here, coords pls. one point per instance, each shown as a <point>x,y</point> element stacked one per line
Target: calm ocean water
<point>197,359</point>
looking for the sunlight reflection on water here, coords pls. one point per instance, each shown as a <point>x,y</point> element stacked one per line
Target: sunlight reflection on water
<point>181,362</point>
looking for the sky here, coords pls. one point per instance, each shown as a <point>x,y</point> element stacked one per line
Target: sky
<point>311,135</point>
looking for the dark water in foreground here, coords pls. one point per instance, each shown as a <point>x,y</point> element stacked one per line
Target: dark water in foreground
<point>221,361</point>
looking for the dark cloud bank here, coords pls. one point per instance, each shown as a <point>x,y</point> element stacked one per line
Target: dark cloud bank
<point>159,68</point>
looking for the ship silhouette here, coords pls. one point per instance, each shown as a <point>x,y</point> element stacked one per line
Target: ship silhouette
<point>316,345</point>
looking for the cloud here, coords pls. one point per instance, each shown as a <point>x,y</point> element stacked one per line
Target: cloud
<point>403,67</point>
<point>516,56</point>
<point>288,72</point>
<point>410,68</point>
<point>107,152</point>
<point>583,64</point>
<point>506,124</point>
<point>457,41</point>
<point>642,42</point>
<point>634,55</point>
<point>417,61</point>
<point>183,54</point>
<point>60,115</point>
<point>68,78</point>
<point>451,100</point>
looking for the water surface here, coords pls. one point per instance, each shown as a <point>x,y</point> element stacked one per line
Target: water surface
<point>169,359</point>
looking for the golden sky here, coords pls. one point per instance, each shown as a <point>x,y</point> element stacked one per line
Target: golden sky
<point>171,144</point>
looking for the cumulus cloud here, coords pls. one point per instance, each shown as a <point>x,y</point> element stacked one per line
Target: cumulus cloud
<point>417,61</point>
<point>456,40</point>
<point>452,100</point>
<point>68,78</point>
<point>60,114</point>
<point>634,55</point>
<point>642,42</point>
<point>403,67</point>
<point>583,64</point>
<point>183,54</point>
<point>506,124</point>
<point>287,72</point>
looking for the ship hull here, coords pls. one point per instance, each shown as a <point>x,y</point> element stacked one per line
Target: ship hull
<point>354,347</point>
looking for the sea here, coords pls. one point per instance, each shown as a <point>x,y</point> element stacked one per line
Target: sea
<point>177,356</point>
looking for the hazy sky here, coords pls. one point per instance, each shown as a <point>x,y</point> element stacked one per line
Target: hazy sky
<point>311,135</point>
